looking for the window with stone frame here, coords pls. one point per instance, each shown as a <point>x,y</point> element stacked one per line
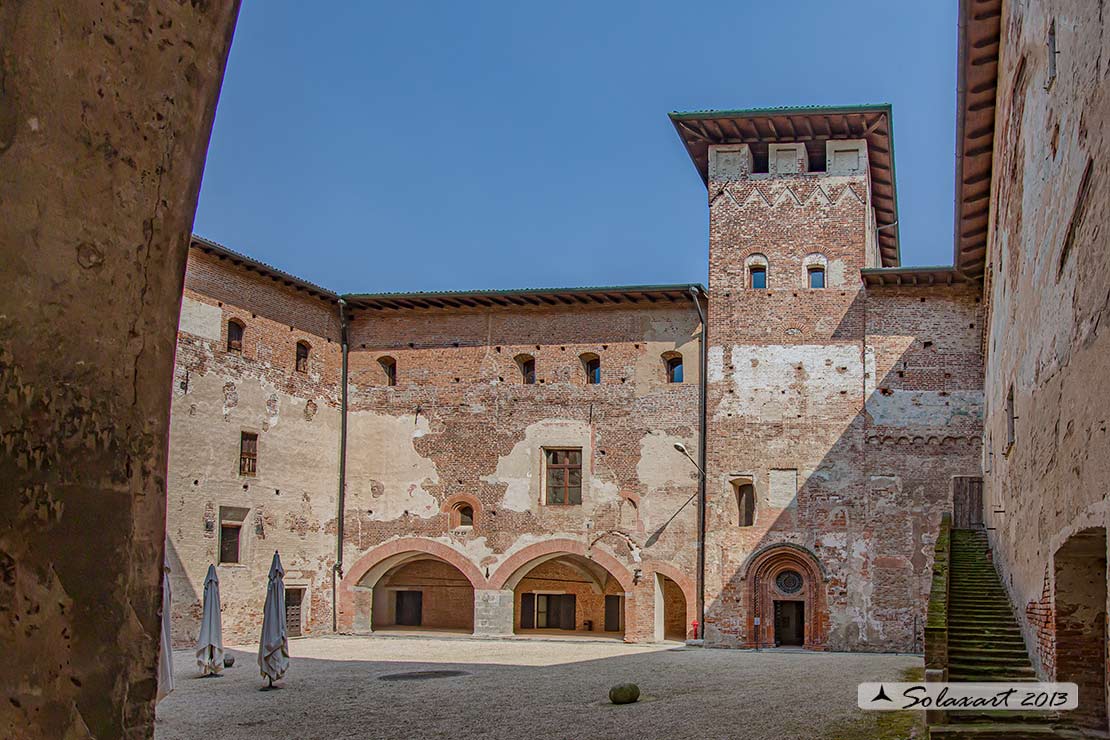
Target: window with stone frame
<point>563,476</point>
<point>248,453</point>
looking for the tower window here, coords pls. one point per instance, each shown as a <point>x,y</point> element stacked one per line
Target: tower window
<point>745,501</point>
<point>389,369</point>
<point>302,357</point>
<point>466,516</point>
<point>591,363</point>
<point>234,336</point>
<point>758,278</point>
<point>674,369</point>
<point>817,277</point>
<point>527,365</point>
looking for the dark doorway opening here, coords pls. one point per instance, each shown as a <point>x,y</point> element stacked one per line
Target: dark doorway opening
<point>967,502</point>
<point>613,613</point>
<point>1081,622</point>
<point>547,611</point>
<point>294,597</point>
<point>790,625</point>
<point>410,608</point>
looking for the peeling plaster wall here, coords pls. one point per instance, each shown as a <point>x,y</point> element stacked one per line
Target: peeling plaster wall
<point>105,113</point>
<point>460,424</point>
<point>848,425</point>
<point>1049,269</point>
<point>290,503</point>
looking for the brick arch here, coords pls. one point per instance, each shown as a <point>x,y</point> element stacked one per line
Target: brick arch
<point>510,573</point>
<point>759,574</point>
<point>452,503</point>
<point>391,554</point>
<point>685,585</point>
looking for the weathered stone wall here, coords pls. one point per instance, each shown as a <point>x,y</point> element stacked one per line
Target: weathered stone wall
<point>105,113</point>
<point>1048,270</point>
<point>829,402</point>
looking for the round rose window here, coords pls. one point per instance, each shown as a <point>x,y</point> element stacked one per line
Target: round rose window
<point>789,582</point>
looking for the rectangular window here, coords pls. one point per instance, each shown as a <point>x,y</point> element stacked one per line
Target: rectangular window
<point>229,542</point>
<point>816,278</point>
<point>564,477</point>
<point>745,503</point>
<point>528,371</point>
<point>759,278</point>
<point>248,453</point>
<point>1011,434</point>
<point>302,357</point>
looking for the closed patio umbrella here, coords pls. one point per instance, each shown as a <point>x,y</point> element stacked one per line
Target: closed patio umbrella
<point>210,644</point>
<point>273,649</point>
<point>165,653</point>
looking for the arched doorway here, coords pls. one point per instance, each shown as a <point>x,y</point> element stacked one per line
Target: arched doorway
<point>670,609</point>
<point>1080,609</point>
<point>786,598</point>
<point>444,578</point>
<point>568,593</point>
<point>423,593</point>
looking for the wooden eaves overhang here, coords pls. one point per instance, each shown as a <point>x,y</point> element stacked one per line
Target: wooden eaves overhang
<point>976,91</point>
<point>644,295</point>
<point>813,126</point>
<point>923,277</point>
<point>261,268</point>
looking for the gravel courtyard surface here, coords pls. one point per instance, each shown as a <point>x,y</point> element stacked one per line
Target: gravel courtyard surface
<point>518,688</point>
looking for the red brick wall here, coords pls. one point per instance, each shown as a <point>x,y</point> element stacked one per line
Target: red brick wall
<point>447,600</point>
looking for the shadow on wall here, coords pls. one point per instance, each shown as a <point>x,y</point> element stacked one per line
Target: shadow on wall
<point>838,554</point>
<point>187,602</point>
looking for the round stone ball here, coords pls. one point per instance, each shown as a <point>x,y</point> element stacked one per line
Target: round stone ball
<point>229,660</point>
<point>624,693</point>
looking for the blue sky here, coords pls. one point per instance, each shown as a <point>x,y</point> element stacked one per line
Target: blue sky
<point>440,146</point>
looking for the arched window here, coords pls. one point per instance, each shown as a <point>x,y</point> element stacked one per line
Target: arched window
<point>673,361</point>
<point>527,365</point>
<point>389,368</point>
<point>756,265</point>
<point>302,357</point>
<point>235,336</point>
<point>591,364</point>
<point>466,515</point>
<point>816,266</point>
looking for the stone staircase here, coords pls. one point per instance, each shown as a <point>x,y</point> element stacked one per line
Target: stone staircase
<point>986,644</point>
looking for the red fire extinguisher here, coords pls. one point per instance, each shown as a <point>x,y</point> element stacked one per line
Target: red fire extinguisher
<point>694,624</point>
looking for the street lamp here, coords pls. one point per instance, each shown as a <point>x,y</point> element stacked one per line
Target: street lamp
<point>682,448</point>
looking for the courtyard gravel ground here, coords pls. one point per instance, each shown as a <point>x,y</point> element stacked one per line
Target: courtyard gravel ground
<point>530,689</point>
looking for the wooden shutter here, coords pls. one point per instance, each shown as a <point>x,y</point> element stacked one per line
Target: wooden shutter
<point>612,613</point>
<point>567,617</point>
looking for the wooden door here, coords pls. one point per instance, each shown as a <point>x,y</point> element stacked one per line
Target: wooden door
<point>410,606</point>
<point>612,613</point>
<point>967,502</point>
<point>293,599</point>
<point>789,622</point>
<point>566,611</point>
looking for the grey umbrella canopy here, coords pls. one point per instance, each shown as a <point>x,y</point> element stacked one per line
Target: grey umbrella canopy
<point>273,648</point>
<point>210,644</point>
<point>165,653</point>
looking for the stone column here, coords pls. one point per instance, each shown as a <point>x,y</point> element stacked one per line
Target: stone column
<point>105,114</point>
<point>493,612</point>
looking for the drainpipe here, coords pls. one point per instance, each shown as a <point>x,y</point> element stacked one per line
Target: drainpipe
<point>694,292</point>
<point>337,569</point>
